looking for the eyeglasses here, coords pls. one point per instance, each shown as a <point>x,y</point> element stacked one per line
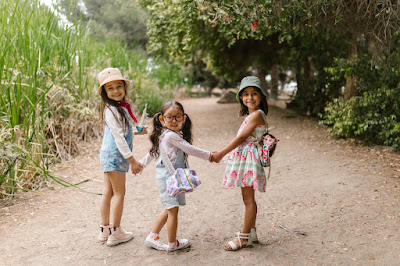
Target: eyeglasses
<point>169,118</point>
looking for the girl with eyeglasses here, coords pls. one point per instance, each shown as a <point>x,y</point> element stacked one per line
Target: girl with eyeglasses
<point>172,133</point>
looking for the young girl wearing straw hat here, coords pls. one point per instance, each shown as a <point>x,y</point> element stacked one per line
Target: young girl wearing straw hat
<point>116,153</point>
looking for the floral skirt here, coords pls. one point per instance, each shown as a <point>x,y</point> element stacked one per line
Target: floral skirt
<point>244,169</point>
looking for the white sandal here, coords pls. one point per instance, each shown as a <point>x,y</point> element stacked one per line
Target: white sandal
<point>240,236</point>
<point>253,236</point>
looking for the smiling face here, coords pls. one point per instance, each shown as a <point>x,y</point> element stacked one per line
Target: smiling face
<point>251,97</point>
<point>173,118</point>
<point>115,90</point>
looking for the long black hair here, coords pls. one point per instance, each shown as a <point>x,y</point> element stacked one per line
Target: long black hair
<point>244,110</point>
<point>109,102</point>
<point>158,127</point>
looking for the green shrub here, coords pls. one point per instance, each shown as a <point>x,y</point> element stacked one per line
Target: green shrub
<point>374,116</point>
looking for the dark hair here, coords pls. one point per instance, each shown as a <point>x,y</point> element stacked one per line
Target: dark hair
<point>158,128</point>
<point>244,110</point>
<point>107,102</point>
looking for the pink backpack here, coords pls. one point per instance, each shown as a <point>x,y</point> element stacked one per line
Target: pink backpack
<point>266,146</point>
<point>266,149</point>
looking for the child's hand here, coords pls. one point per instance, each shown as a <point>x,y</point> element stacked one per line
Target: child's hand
<point>211,158</point>
<point>217,156</point>
<point>136,167</point>
<point>144,132</point>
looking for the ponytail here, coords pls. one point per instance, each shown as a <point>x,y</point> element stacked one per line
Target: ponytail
<point>155,135</point>
<point>187,130</point>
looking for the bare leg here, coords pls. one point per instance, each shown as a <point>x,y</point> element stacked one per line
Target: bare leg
<point>172,224</point>
<point>250,209</point>
<point>118,187</point>
<point>106,201</point>
<point>160,222</point>
<point>250,214</point>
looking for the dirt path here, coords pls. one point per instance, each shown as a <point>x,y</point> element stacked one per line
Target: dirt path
<point>344,197</point>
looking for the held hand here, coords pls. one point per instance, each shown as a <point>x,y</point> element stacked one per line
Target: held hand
<point>211,158</point>
<point>217,156</point>
<point>136,167</point>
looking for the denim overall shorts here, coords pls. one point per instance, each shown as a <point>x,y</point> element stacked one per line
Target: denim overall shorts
<point>110,157</point>
<point>161,179</point>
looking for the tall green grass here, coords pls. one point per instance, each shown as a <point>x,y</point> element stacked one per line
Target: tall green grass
<point>48,96</point>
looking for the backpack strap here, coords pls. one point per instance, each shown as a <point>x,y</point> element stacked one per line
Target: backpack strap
<point>266,131</point>
<point>164,157</point>
<point>265,119</point>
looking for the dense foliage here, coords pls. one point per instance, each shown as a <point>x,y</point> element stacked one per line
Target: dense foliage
<point>108,19</point>
<point>338,50</point>
<point>48,96</point>
<point>374,114</point>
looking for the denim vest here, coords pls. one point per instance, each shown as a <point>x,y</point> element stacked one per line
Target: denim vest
<point>110,157</point>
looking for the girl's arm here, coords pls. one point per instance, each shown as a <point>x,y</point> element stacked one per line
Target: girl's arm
<point>255,120</point>
<point>175,140</point>
<point>110,117</point>
<point>146,160</point>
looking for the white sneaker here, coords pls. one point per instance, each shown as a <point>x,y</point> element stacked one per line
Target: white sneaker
<point>155,243</point>
<point>179,244</point>
<point>118,235</point>
<point>104,233</point>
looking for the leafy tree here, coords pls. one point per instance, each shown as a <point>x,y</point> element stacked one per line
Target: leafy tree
<point>109,18</point>
<point>216,30</point>
<point>325,42</point>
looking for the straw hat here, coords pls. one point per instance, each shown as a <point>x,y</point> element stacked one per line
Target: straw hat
<point>111,74</point>
<point>250,81</point>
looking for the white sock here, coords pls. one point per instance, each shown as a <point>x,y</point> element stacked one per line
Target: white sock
<point>153,235</point>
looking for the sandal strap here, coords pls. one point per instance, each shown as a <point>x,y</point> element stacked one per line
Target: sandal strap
<point>233,245</point>
<point>242,235</point>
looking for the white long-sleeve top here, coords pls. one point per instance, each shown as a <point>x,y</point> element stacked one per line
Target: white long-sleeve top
<point>171,142</point>
<point>113,119</point>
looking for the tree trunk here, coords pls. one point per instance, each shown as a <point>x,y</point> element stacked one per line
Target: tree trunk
<point>303,100</point>
<point>350,89</point>
<point>274,81</point>
<point>261,75</point>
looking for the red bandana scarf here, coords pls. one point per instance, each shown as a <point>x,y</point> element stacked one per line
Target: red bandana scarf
<point>128,106</point>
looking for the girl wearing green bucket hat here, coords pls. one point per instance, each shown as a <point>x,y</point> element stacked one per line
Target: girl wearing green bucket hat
<point>243,162</point>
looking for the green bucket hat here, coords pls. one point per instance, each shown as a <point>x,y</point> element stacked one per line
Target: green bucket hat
<point>250,81</point>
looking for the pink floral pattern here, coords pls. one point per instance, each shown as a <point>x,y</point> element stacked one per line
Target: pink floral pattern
<point>243,165</point>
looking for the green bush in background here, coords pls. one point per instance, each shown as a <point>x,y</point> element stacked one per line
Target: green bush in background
<point>373,115</point>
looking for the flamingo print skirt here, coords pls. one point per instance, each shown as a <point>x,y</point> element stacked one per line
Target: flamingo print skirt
<point>243,164</point>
